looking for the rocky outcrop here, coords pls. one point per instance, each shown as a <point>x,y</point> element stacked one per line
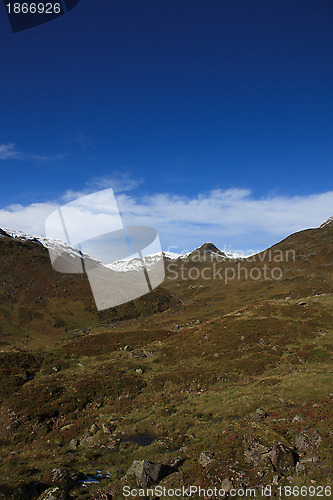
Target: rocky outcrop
<point>55,493</point>
<point>64,478</point>
<point>308,442</point>
<point>264,447</point>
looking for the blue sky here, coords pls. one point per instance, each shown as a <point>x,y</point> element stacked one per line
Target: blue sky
<point>215,109</point>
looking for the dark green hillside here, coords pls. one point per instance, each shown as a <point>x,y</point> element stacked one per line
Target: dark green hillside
<point>39,306</point>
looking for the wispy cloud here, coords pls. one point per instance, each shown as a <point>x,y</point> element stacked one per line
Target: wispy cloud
<point>8,151</point>
<point>120,183</point>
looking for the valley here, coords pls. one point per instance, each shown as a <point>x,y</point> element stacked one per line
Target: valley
<point>217,383</point>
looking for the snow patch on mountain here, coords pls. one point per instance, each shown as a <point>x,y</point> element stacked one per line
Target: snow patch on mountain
<point>130,263</point>
<point>328,222</point>
<point>58,247</point>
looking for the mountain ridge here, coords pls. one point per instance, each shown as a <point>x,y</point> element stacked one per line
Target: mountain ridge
<point>121,265</point>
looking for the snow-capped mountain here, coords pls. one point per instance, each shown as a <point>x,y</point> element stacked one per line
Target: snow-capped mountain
<point>57,246</point>
<point>136,263</point>
<point>328,222</point>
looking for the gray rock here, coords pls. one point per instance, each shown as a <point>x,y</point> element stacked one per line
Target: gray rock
<point>259,414</point>
<point>206,457</point>
<point>282,457</point>
<point>63,478</point>
<point>262,449</point>
<point>55,493</point>
<point>309,460</point>
<point>146,473</point>
<point>300,469</point>
<point>93,429</point>
<point>308,441</point>
<point>257,453</point>
<point>139,371</point>
<point>87,440</point>
<point>73,444</point>
<point>102,495</point>
<point>226,485</point>
<point>106,429</point>
<point>137,354</point>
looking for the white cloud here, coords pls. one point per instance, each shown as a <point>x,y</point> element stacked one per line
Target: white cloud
<point>118,181</point>
<point>232,218</point>
<point>29,219</point>
<point>8,151</point>
<point>226,217</point>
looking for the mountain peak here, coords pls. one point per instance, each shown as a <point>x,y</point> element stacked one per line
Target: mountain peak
<point>208,249</point>
<point>328,222</point>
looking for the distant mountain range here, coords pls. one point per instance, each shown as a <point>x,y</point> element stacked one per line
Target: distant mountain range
<point>123,265</point>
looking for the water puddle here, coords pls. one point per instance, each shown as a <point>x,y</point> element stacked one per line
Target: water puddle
<point>143,439</point>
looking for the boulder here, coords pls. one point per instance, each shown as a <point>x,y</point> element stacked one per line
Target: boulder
<point>206,457</point>
<point>264,447</point>
<point>54,493</point>
<point>227,485</point>
<point>93,429</point>
<point>87,440</point>
<point>260,414</point>
<point>146,473</point>
<point>106,429</point>
<point>257,453</point>
<point>308,441</point>
<point>282,457</point>
<point>73,444</point>
<point>63,478</point>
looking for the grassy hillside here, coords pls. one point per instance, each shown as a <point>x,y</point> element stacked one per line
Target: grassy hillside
<point>40,307</point>
<point>226,384</point>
